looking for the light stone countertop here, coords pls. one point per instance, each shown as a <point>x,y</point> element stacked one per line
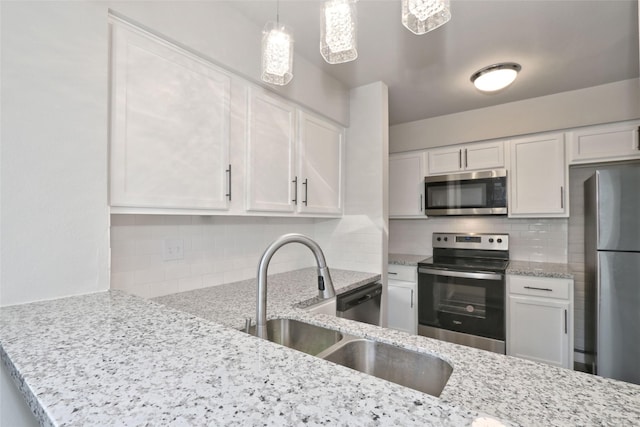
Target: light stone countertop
<point>406,259</point>
<point>110,358</point>
<point>540,269</point>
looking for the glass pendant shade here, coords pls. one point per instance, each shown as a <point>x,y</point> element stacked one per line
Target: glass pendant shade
<point>338,31</point>
<point>495,77</point>
<point>277,54</point>
<point>422,16</point>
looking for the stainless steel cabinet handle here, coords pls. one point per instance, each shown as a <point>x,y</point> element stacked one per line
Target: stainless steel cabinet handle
<point>229,185</point>
<point>562,197</point>
<point>460,159</point>
<point>421,203</point>
<point>466,159</point>
<point>411,298</point>
<point>391,272</point>
<point>306,191</point>
<point>467,275</point>
<point>565,321</point>
<point>539,289</point>
<point>639,138</point>
<point>295,190</point>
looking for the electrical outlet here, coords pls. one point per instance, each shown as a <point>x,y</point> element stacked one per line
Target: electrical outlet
<point>173,249</point>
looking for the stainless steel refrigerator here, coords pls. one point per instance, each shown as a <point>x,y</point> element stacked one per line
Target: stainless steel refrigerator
<point>612,269</point>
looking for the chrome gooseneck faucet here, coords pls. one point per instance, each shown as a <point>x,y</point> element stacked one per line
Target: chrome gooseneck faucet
<point>325,285</point>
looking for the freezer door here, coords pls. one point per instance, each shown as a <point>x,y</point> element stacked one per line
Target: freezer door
<point>618,201</point>
<point>618,339</point>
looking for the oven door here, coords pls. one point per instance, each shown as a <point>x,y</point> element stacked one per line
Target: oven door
<point>467,302</point>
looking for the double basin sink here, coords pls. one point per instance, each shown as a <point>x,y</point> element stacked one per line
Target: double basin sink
<point>419,371</point>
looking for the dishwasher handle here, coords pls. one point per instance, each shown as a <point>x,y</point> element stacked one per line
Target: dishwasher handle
<point>358,296</point>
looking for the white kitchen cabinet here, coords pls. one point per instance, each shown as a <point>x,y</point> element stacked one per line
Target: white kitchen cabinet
<point>540,319</point>
<point>320,165</point>
<point>271,150</point>
<point>469,157</point>
<point>169,145</point>
<point>402,310</point>
<point>611,142</point>
<point>537,177</point>
<point>406,185</point>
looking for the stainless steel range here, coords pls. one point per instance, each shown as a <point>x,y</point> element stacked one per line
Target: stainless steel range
<point>461,290</point>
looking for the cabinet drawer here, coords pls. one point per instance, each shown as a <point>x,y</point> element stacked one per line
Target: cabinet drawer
<point>407,273</point>
<point>540,286</point>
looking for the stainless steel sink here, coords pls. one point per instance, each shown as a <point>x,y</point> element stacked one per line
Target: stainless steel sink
<point>300,336</point>
<point>419,371</point>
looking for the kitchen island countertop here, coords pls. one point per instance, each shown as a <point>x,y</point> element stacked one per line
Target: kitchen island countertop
<point>111,358</point>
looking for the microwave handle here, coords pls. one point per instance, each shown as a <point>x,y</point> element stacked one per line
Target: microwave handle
<point>462,274</point>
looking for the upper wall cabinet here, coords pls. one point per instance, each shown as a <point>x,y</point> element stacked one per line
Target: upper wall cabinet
<point>537,177</point>
<point>477,156</point>
<point>406,188</point>
<point>618,141</point>
<point>320,165</point>
<point>271,177</point>
<point>169,126</point>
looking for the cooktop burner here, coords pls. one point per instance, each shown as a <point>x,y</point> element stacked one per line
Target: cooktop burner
<point>469,252</point>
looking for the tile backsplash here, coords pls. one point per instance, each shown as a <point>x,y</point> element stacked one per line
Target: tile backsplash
<point>216,250</point>
<point>538,240</point>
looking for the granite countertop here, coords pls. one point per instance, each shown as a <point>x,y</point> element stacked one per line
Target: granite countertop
<point>540,269</point>
<point>111,358</point>
<point>406,259</point>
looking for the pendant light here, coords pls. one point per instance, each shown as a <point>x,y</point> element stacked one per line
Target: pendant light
<point>422,16</point>
<point>277,52</point>
<point>496,76</point>
<point>338,31</point>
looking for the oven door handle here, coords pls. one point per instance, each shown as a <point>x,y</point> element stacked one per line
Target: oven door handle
<point>463,274</point>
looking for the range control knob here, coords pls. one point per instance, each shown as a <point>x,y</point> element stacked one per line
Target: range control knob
<point>490,239</point>
<point>446,238</point>
<point>499,240</point>
<point>438,239</point>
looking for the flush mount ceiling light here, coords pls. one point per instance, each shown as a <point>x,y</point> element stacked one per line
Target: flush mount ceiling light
<point>495,77</point>
<point>277,52</point>
<point>422,16</point>
<point>338,30</point>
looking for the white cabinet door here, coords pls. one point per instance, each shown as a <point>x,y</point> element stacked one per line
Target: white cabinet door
<point>489,155</point>
<point>619,141</point>
<point>537,177</point>
<point>169,126</point>
<point>469,157</point>
<point>270,154</point>
<point>406,185</point>
<point>445,160</point>
<point>539,330</point>
<point>320,154</point>
<point>401,307</point>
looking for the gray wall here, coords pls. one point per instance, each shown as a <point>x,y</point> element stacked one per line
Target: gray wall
<point>599,104</point>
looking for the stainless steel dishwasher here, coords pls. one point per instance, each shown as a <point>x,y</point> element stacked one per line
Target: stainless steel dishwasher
<point>361,304</point>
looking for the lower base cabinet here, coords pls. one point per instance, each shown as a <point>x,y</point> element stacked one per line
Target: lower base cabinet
<point>540,319</point>
<point>402,309</point>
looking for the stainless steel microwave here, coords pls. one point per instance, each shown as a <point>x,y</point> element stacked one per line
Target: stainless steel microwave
<point>472,193</point>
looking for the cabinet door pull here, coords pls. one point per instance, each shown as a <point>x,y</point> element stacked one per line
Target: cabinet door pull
<point>411,298</point>
<point>562,197</point>
<point>306,189</point>
<point>393,273</point>
<point>539,289</point>
<point>229,185</point>
<point>565,321</point>
<point>638,138</point>
<point>421,203</point>
<point>460,159</point>
<point>466,159</point>
<point>295,190</point>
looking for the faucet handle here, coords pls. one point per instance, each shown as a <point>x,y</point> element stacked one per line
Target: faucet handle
<point>247,324</point>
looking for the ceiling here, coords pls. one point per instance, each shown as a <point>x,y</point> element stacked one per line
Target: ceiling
<point>561,45</point>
